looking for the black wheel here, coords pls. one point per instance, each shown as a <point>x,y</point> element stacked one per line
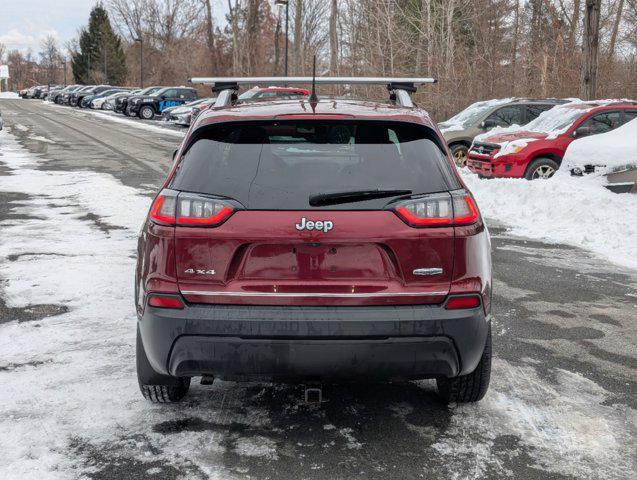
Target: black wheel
<point>459,152</point>
<point>146,112</point>
<point>156,387</point>
<point>471,387</point>
<point>127,111</point>
<point>542,167</point>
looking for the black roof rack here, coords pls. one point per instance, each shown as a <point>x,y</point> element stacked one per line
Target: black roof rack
<point>399,87</point>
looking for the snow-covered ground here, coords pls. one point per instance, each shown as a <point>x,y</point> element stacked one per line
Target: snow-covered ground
<point>10,95</point>
<point>614,149</point>
<point>119,118</point>
<point>575,211</point>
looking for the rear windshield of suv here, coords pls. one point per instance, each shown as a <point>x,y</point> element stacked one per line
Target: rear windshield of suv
<point>279,165</point>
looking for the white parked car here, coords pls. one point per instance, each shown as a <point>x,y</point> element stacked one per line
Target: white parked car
<point>612,153</point>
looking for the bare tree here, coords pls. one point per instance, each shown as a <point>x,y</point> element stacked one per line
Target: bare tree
<point>50,57</point>
<point>210,35</point>
<point>334,38</point>
<point>615,31</point>
<point>297,52</point>
<point>252,36</point>
<point>590,47</point>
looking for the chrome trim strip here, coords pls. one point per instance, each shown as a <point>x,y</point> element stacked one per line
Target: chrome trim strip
<point>312,295</point>
<point>427,271</point>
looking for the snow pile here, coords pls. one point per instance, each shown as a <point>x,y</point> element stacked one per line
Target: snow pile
<point>614,149</point>
<point>11,95</point>
<point>471,114</point>
<point>563,209</point>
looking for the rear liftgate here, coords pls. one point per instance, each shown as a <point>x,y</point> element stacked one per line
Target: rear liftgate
<point>316,268</point>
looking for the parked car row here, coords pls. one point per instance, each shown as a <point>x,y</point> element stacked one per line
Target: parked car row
<point>177,105</point>
<point>37,91</point>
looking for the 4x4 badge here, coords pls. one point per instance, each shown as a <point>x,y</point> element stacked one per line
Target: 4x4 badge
<point>305,224</point>
<point>199,271</point>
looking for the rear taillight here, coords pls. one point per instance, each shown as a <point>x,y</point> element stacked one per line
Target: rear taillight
<point>166,301</point>
<point>197,210</point>
<point>438,210</point>
<point>464,302</point>
<point>465,211</point>
<point>188,209</point>
<point>163,209</point>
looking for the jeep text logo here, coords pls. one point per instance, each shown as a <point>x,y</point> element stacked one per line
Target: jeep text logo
<point>305,224</point>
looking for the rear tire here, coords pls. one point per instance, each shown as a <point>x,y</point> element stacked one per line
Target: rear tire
<point>541,168</point>
<point>146,112</point>
<point>460,153</point>
<point>156,387</point>
<point>471,387</point>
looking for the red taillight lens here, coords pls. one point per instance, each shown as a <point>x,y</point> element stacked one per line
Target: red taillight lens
<point>161,301</point>
<point>438,210</point>
<point>163,209</point>
<point>187,209</point>
<point>459,303</point>
<point>195,210</point>
<point>465,211</point>
<point>429,211</point>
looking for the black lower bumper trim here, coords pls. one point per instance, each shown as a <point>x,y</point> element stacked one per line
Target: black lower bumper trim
<point>233,358</point>
<point>249,342</point>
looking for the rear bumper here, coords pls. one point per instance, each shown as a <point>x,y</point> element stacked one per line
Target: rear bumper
<point>318,343</point>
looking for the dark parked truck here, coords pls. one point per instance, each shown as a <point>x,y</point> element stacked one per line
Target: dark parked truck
<point>147,106</point>
<point>75,100</point>
<point>121,104</point>
<point>314,241</point>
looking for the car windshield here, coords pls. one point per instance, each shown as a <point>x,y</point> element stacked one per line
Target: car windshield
<point>475,112</point>
<point>558,119</point>
<point>149,90</point>
<point>278,166</point>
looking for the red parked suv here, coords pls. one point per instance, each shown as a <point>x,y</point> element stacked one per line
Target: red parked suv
<point>536,150</point>
<point>314,241</point>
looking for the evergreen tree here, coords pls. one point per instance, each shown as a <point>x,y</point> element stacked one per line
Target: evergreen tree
<point>100,58</point>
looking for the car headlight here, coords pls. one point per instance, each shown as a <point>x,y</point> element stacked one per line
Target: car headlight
<point>514,146</point>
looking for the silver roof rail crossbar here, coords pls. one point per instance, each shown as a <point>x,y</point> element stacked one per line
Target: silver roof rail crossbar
<point>399,87</point>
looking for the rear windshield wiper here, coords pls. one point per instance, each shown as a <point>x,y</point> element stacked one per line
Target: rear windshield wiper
<point>323,199</point>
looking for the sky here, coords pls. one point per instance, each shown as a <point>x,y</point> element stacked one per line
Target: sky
<point>25,23</point>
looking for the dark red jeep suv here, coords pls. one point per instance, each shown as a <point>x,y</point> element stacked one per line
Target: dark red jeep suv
<point>314,241</point>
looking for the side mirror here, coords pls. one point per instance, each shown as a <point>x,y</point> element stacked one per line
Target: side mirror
<point>488,124</point>
<point>163,97</point>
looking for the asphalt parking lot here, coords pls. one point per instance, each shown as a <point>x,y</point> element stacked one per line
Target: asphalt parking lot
<point>561,405</point>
